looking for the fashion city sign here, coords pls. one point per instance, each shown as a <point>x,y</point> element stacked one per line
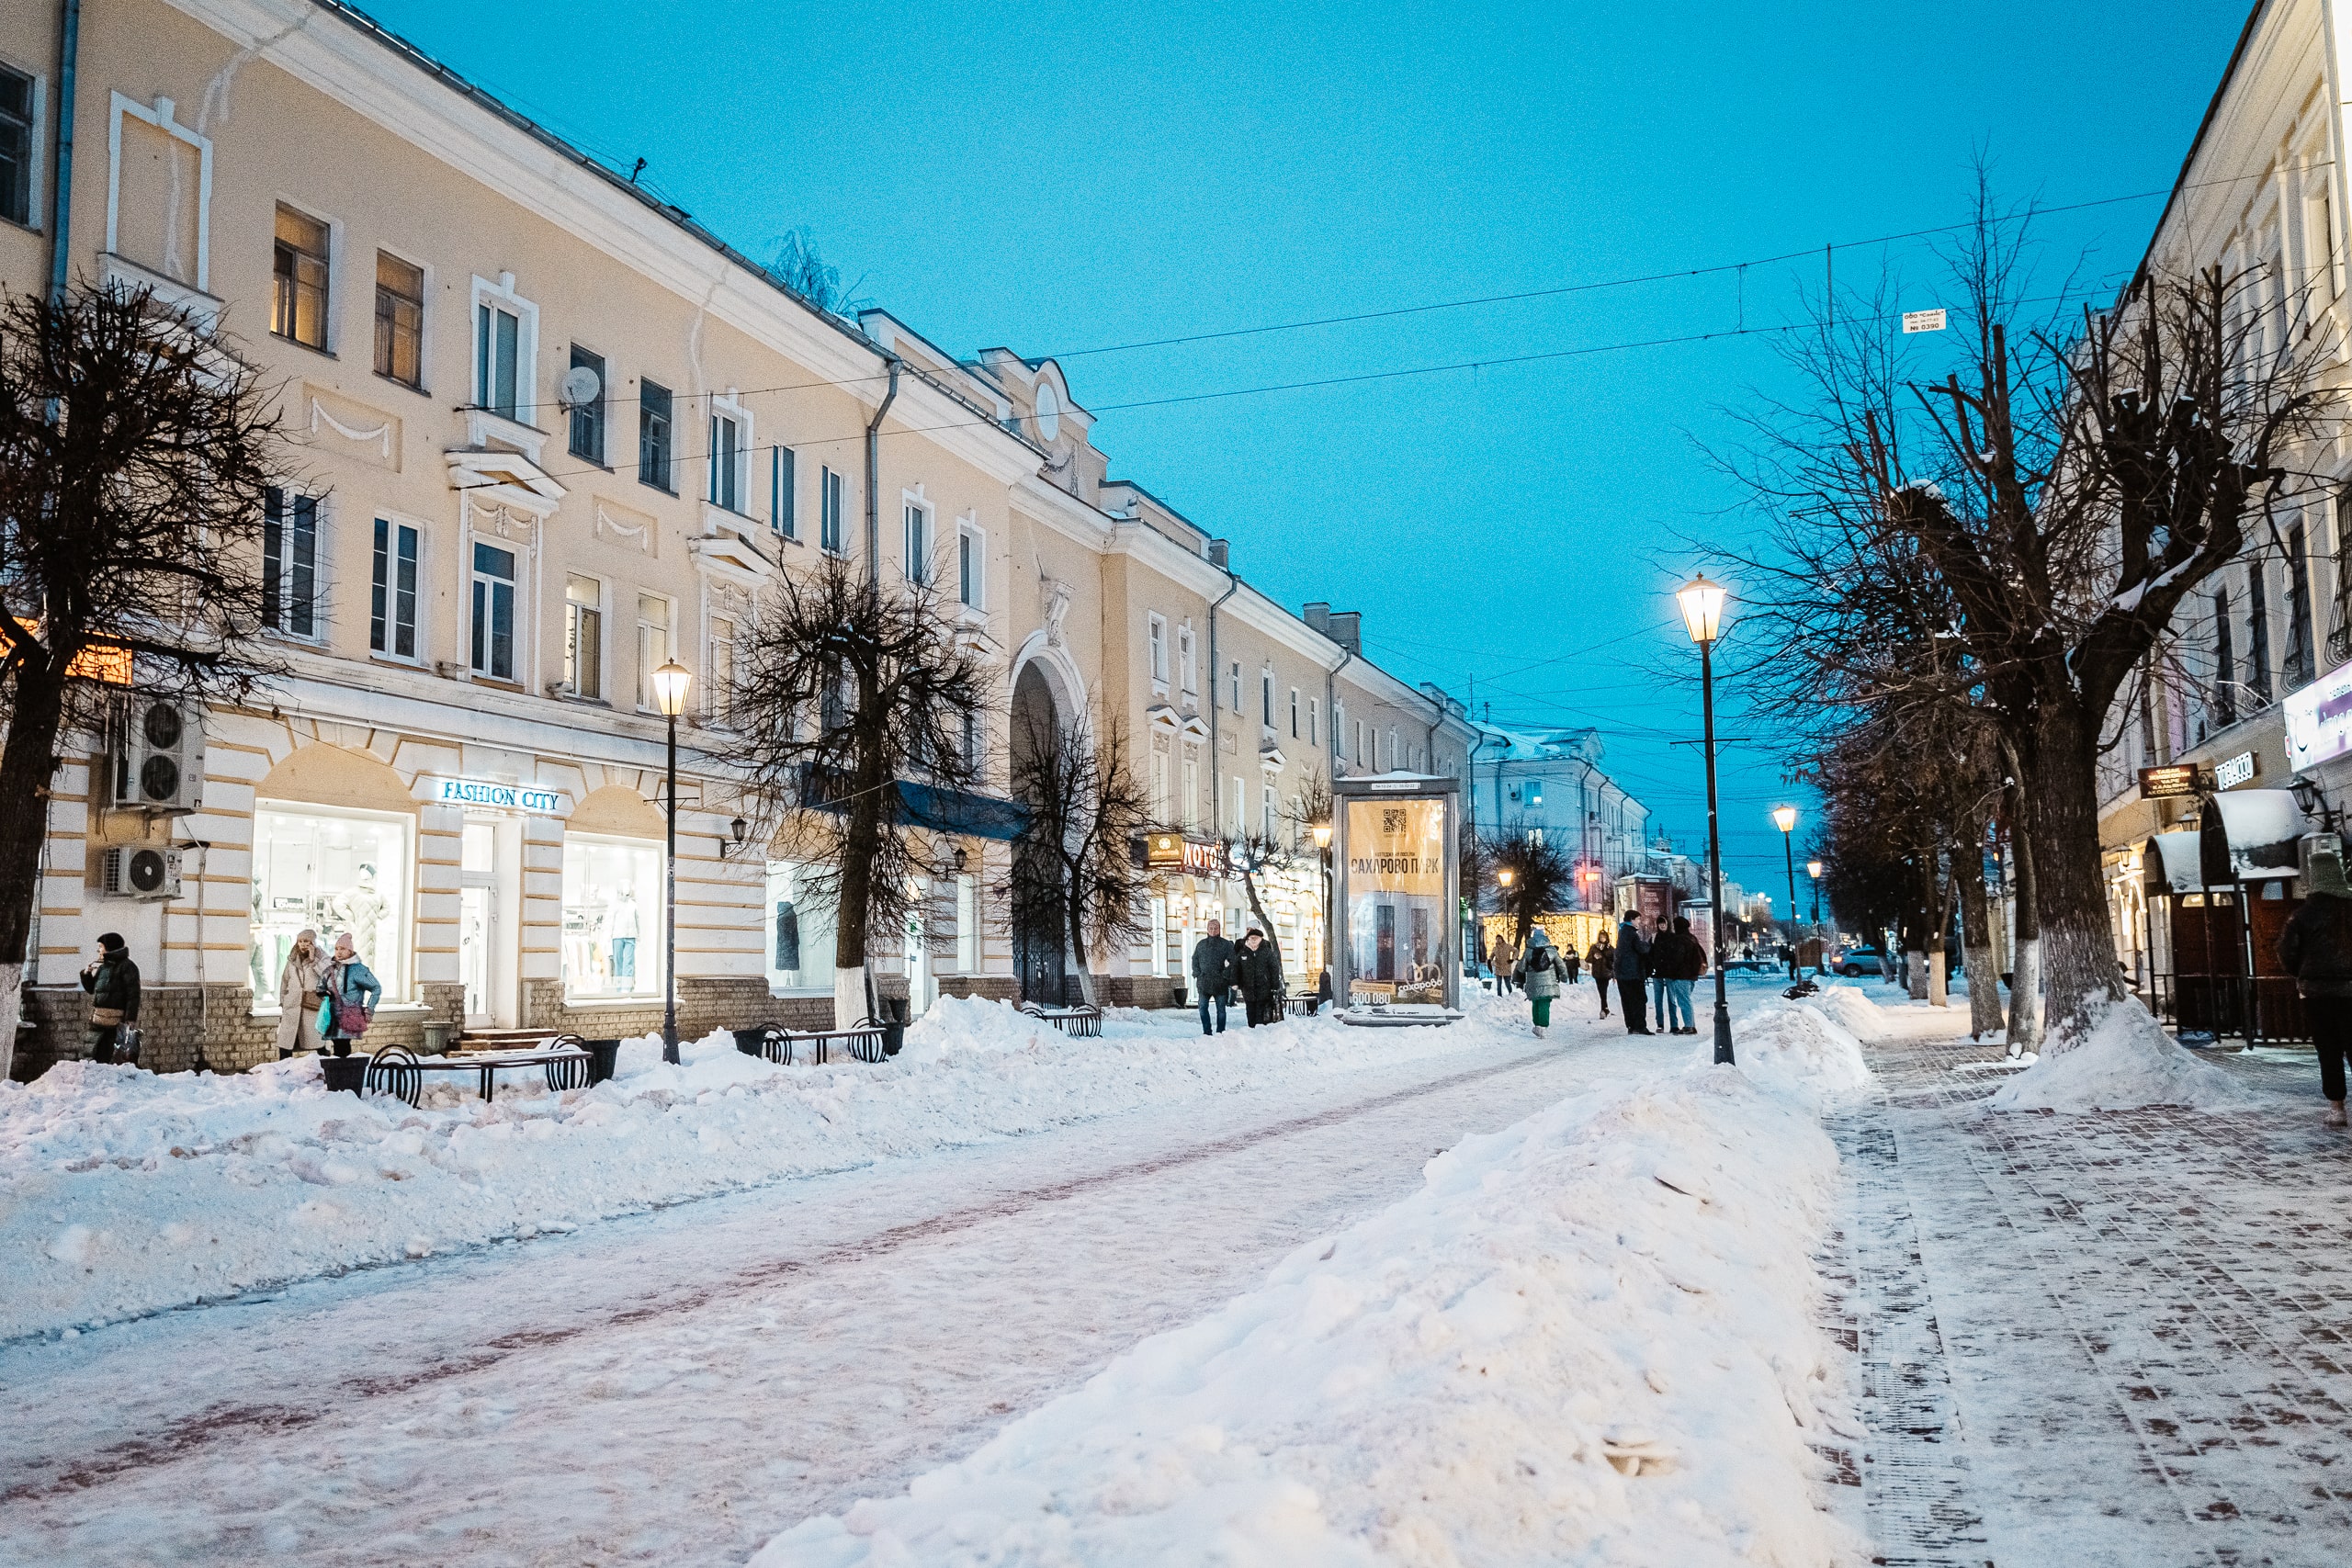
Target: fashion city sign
<point>504,797</point>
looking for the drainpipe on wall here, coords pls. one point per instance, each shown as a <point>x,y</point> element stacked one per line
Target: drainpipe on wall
<point>874,478</point>
<point>1222,558</point>
<point>69,49</point>
<point>1331,704</point>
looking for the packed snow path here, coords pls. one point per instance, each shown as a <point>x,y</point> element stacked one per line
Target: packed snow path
<point>2113,1338</point>
<point>678,1387</point>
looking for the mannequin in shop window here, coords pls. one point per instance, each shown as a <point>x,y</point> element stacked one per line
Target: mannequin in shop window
<point>620,938</point>
<point>787,936</point>
<point>360,909</point>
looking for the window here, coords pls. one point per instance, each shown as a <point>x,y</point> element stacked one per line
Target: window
<point>968,560</point>
<point>781,516</point>
<point>1293,713</point>
<point>1184,660</point>
<point>1159,782</point>
<point>1192,787</point>
<point>1315,721</point>
<point>1240,809</point>
<point>2301,666</point>
<point>1266,698</point>
<point>918,544</point>
<point>829,511</point>
<point>1156,640</point>
<point>652,644</point>
<point>493,639</point>
<point>587,438</point>
<point>800,935</point>
<point>15,146</point>
<point>583,635</point>
<point>316,863</point>
<point>2226,672</point>
<point>967,924</point>
<point>400,321</point>
<point>976,743</point>
<point>612,916</point>
<point>498,358</point>
<point>1235,706</point>
<point>653,436</point>
<point>721,684</point>
<point>1268,816</point>
<point>391,600</point>
<point>2257,676</point>
<point>1392,749</point>
<point>290,563</point>
<point>298,300</point>
<point>726,462</point>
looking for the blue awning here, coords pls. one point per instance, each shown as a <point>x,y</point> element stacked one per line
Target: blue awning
<point>963,812</point>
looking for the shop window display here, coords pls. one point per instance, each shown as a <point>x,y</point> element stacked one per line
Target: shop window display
<point>331,872</point>
<point>612,916</point>
<point>800,931</point>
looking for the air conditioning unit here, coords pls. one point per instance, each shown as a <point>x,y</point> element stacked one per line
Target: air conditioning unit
<point>139,871</point>
<point>159,755</point>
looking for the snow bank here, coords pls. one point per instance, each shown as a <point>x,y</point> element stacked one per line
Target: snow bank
<point>2126,1060</point>
<point>1847,1007</point>
<point>1591,1338</point>
<point>124,1192</point>
<point>1792,1049</point>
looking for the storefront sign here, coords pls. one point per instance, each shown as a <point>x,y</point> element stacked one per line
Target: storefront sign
<point>505,797</point>
<point>2238,770</point>
<point>2163,783</point>
<point>1174,851</point>
<point>2319,720</point>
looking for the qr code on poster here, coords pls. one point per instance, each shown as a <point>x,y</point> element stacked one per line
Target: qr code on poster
<point>1392,820</point>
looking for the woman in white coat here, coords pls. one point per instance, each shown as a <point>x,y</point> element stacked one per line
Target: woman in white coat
<point>298,994</point>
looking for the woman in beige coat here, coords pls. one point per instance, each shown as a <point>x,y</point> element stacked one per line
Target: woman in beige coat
<point>298,994</point>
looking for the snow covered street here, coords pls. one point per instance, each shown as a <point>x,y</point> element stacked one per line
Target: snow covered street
<point>681,1385</point>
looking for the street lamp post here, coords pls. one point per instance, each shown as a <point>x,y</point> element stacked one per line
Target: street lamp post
<point>670,684</point>
<point>1785,817</point>
<point>1821,958</point>
<point>1702,613</point>
<point>1323,858</point>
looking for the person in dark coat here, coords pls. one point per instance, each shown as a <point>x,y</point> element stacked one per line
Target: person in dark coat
<point>1260,975</point>
<point>1212,975</point>
<point>350,984</point>
<point>1633,969</point>
<point>112,980</point>
<point>1602,962</point>
<point>2317,949</point>
<point>1678,960</point>
<point>1569,964</point>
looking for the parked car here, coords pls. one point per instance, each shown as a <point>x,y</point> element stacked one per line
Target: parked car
<point>1860,961</point>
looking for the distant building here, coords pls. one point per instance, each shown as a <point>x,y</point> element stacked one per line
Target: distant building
<point>1550,783</point>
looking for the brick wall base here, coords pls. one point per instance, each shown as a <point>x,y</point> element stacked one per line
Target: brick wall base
<point>1140,990</point>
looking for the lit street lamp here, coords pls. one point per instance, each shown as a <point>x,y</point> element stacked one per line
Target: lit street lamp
<point>1821,963</point>
<point>670,684</point>
<point>1702,613</point>
<point>1785,817</point>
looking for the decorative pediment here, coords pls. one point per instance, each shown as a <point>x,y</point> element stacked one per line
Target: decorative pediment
<point>725,554</point>
<point>1195,728</point>
<point>1160,716</point>
<point>1270,758</point>
<point>498,477</point>
<point>501,522</point>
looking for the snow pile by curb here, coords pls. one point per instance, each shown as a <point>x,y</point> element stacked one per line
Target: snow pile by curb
<point>124,1192</point>
<point>1792,1049</point>
<point>1847,1007</point>
<point>2126,1060</point>
<point>1589,1339</point>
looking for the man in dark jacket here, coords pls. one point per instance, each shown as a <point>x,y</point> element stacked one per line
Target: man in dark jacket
<point>113,984</point>
<point>1212,975</point>
<point>1259,972</point>
<point>1632,971</point>
<point>1678,960</point>
<point>2317,949</point>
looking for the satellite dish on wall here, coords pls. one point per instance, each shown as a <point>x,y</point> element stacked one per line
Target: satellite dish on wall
<point>579,386</point>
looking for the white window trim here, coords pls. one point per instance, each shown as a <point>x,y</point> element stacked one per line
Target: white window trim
<point>525,559</point>
<point>604,608</point>
<point>161,118</point>
<point>322,511</point>
<point>641,675</point>
<point>424,595</point>
<point>915,501</point>
<point>1155,649</point>
<point>1188,659</point>
<point>967,527</point>
<point>37,149</point>
<point>727,405</point>
<point>527,353</point>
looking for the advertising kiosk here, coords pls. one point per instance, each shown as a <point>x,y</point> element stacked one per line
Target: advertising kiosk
<point>1396,939</point>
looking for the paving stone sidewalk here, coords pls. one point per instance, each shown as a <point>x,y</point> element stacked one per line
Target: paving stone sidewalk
<point>2117,1338</point>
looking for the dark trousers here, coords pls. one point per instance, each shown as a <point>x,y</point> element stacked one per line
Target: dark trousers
<point>1601,984</point>
<point>1219,998</point>
<point>2331,1021</point>
<point>1635,1006</point>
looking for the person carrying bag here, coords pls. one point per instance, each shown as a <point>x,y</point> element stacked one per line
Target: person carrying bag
<point>352,992</point>
<point>112,980</point>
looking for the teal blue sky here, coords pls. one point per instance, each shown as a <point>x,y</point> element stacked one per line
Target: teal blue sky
<point>1058,177</point>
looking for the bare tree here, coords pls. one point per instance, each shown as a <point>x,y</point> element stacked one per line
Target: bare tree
<point>137,452</point>
<point>1074,873</point>
<point>850,700</point>
<point>1542,878</point>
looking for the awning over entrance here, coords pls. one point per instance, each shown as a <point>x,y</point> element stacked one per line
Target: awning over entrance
<point>2168,863</point>
<point>962,811</point>
<point>2249,835</point>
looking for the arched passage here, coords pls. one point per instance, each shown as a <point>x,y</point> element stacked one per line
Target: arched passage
<point>1040,955</point>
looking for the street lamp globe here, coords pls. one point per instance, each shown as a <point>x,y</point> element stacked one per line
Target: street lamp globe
<point>1322,835</point>
<point>670,684</point>
<point>1813,869</point>
<point>1785,817</point>
<point>1703,608</point>
<point>1505,876</point>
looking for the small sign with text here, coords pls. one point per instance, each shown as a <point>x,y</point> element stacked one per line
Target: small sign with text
<point>1924,321</point>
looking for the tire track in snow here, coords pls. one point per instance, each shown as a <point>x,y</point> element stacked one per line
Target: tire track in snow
<point>180,1439</point>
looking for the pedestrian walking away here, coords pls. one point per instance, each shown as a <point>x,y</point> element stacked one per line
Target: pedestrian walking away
<point>1257,969</point>
<point>1503,959</point>
<point>1679,960</point>
<point>1539,974</point>
<point>2317,949</point>
<point>300,983</point>
<point>1568,963</point>
<point>1602,962</point>
<point>1212,975</point>
<point>352,992</point>
<point>112,980</point>
<point>1633,969</point>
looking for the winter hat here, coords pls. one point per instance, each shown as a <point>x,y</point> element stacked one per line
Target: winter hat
<point>109,939</point>
<point>1537,939</point>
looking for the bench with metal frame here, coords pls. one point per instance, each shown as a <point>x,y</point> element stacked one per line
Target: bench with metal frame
<point>1080,1022</point>
<point>776,1044</point>
<point>396,1070</point>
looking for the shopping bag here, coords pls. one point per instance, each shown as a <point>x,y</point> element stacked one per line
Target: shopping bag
<point>325,1020</point>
